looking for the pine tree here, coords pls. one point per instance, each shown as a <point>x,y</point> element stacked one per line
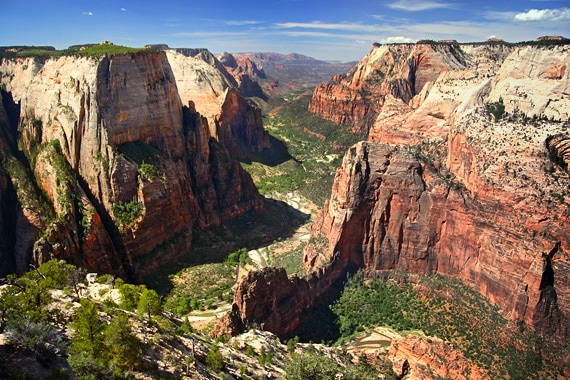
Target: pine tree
<point>88,337</point>
<point>149,303</point>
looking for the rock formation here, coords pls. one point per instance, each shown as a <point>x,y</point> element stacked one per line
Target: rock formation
<point>465,174</point>
<point>217,95</point>
<point>420,358</point>
<point>125,172</point>
<point>246,73</point>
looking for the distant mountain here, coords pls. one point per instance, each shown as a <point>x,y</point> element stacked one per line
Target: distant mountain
<point>291,72</point>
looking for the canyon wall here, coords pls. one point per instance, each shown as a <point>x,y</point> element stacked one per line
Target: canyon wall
<point>233,120</point>
<point>464,174</point>
<point>112,172</point>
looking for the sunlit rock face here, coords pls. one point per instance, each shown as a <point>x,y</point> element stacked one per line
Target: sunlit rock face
<point>464,173</point>
<point>126,172</point>
<point>219,96</point>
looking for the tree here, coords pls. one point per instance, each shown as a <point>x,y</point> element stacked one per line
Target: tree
<point>149,303</point>
<point>8,305</point>
<point>130,295</point>
<point>311,366</point>
<point>88,336</point>
<point>123,346</point>
<point>214,360</point>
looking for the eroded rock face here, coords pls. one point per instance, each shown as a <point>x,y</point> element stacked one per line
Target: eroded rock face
<point>390,210</point>
<point>218,96</point>
<point>399,71</point>
<point>458,185</point>
<point>486,199</point>
<point>420,358</point>
<point>402,94</point>
<point>128,172</point>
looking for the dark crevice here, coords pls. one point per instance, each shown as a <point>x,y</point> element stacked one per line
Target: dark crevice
<point>13,113</point>
<point>114,235</point>
<point>547,279</point>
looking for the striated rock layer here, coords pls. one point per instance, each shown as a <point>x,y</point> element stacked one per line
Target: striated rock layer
<point>396,89</point>
<point>418,358</point>
<point>125,173</point>
<point>465,174</point>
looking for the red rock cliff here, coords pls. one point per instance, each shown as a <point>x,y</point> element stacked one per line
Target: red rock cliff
<point>220,97</point>
<point>130,172</point>
<point>388,71</point>
<point>465,175</point>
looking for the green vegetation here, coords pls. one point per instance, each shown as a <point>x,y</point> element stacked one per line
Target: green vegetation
<point>126,213</point>
<point>28,297</point>
<point>443,307</point>
<point>306,152</point>
<point>496,109</point>
<point>316,365</point>
<point>555,157</point>
<point>214,360</point>
<point>106,341</point>
<point>139,152</point>
<point>25,314</point>
<point>149,303</point>
<point>200,288</point>
<point>104,49</point>
<point>428,42</point>
<point>98,350</point>
<point>238,257</point>
<point>148,171</point>
<point>87,50</point>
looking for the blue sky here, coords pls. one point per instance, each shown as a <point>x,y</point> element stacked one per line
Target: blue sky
<point>324,29</point>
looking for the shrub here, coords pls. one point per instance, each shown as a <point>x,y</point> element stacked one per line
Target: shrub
<point>496,109</point>
<point>126,213</point>
<point>214,360</point>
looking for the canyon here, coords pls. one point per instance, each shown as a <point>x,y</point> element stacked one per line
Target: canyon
<point>464,173</point>
<point>115,162</point>
<point>107,168</point>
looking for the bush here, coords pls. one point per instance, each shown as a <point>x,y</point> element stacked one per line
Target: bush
<point>497,109</point>
<point>214,360</point>
<point>126,213</point>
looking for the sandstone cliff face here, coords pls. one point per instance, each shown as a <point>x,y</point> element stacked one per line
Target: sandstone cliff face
<point>499,218</point>
<point>396,74</point>
<point>395,211</point>
<point>246,73</point>
<point>217,95</point>
<point>451,182</point>
<point>129,171</point>
<point>418,358</point>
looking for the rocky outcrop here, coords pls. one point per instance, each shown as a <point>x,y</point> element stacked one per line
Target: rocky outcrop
<point>128,171</point>
<point>246,73</point>
<point>391,210</point>
<point>217,95</point>
<point>421,358</point>
<point>396,73</point>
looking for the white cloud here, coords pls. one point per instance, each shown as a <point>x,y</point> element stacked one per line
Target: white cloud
<point>418,5</point>
<point>89,13</point>
<point>397,40</point>
<point>124,9</point>
<point>241,22</point>
<point>356,27</point>
<point>547,15</point>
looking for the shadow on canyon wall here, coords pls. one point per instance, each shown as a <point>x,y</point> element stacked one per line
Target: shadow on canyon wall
<point>279,221</point>
<point>277,154</point>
